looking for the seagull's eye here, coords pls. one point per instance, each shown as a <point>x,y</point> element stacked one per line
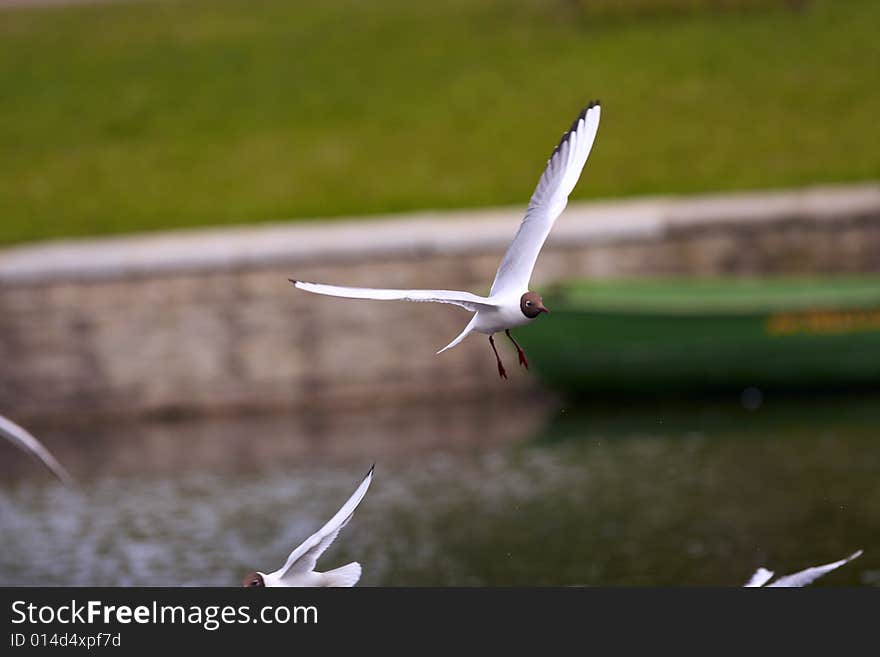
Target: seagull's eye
<point>528,303</point>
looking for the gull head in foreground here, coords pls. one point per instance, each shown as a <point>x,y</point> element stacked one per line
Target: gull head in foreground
<point>23,439</point>
<point>800,578</point>
<point>299,570</point>
<point>510,302</point>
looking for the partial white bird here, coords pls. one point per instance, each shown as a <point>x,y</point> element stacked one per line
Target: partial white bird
<point>801,578</point>
<point>23,439</point>
<point>299,570</point>
<point>510,303</point>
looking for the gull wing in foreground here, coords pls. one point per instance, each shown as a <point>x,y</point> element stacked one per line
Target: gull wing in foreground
<point>304,557</point>
<point>466,300</point>
<point>804,577</point>
<point>761,577</point>
<point>24,440</point>
<point>547,203</point>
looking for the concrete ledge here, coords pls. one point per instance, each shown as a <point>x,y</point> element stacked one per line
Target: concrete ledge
<point>419,235</point>
<point>205,322</point>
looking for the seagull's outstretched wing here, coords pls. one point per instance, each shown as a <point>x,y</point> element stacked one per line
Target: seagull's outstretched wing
<point>547,203</point>
<point>304,557</point>
<point>804,577</point>
<point>464,299</point>
<point>23,439</point>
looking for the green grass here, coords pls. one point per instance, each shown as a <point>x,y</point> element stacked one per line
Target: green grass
<point>152,115</point>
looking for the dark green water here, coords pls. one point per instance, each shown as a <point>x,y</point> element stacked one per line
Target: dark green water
<point>531,492</point>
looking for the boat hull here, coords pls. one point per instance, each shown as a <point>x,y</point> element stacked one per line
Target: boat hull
<point>584,350</point>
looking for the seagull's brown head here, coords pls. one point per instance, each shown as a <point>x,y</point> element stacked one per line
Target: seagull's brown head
<point>532,305</point>
<point>253,579</point>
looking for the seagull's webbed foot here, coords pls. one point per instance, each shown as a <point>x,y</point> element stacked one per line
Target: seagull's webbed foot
<point>501,371</point>
<point>519,350</point>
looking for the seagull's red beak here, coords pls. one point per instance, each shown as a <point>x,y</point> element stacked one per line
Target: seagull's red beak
<point>543,308</point>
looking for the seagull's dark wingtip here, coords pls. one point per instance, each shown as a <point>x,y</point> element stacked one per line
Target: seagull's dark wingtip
<point>583,114</point>
<point>574,125</point>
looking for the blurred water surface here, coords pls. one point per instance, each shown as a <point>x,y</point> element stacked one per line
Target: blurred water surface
<point>529,492</point>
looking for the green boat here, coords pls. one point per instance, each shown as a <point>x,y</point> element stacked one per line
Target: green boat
<point>667,335</point>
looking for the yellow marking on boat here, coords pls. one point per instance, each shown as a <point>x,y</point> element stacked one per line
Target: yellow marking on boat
<point>824,321</point>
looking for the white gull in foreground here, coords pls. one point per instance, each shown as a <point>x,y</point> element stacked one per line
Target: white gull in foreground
<point>801,578</point>
<point>510,303</point>
<point>299,570</point>
<point>23,439</point>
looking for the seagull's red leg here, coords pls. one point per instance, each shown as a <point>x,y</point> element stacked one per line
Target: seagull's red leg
<point>519,350</point>
<point>501,372</point>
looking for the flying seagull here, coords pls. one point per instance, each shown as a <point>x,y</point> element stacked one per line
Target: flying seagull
<point>801,578</point>
<point>20,437</point>
<point>299,570</point>
<point>510,302</point>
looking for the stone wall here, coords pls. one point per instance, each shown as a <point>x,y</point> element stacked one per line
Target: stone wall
<point>202,322</point>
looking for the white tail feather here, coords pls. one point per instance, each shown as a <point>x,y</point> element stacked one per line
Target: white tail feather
<point>461,336</point>
<point>347,575</point>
